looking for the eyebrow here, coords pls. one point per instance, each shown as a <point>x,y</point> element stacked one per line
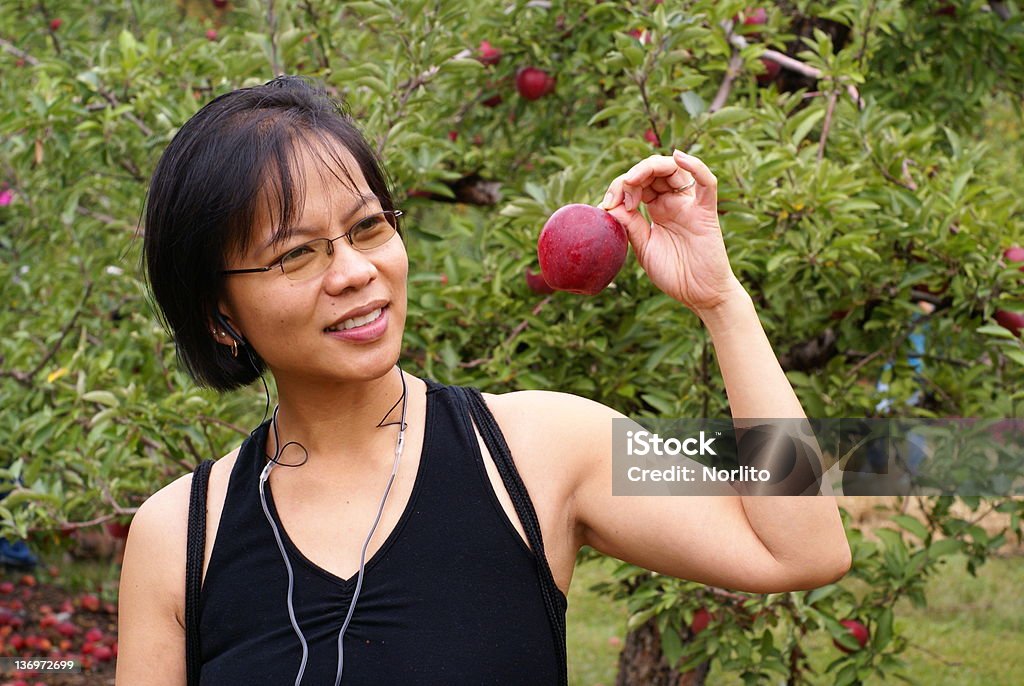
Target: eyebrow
<point>287,232</point>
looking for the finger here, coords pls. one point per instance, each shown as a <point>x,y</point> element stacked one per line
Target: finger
<point>613,196</point>
<point>638,231</point>
<point>707,183</point>
<point>645,171</point>
<point>672,184</point>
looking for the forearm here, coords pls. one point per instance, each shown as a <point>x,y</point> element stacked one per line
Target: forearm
<point>804,532</point>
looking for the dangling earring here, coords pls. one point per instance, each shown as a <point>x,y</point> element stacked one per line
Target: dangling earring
<point>234,348</point>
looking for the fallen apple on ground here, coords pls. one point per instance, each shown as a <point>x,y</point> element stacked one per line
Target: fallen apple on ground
<point>581,248</point>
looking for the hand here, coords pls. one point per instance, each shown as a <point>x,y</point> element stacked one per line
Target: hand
<point>682,249</point>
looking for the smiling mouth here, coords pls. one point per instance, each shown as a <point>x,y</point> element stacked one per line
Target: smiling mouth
<point>356,322</point>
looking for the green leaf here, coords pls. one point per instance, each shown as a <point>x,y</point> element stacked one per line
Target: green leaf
<point>728,116</point>
<point>944,547</point>
<point>912,525</point>
<point>102,397</point>
<point>806,125</point>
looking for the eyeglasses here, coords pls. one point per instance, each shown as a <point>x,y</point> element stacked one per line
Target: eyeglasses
<point>313,258</point>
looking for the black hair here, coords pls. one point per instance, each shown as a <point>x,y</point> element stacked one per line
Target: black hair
<point>232,154</point>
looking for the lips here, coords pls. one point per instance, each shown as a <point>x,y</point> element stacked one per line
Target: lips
<point>375,328</point>
<point>360,316</point>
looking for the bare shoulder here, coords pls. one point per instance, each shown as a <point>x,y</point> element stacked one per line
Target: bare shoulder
<point>552,425</point>
<point>155,550</point>
<point>564,414</point>
<point>151,598</point>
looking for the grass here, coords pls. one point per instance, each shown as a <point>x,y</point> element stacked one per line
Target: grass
<point>969,634</point>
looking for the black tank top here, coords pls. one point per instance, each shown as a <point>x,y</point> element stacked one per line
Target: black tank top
<point>452,597</point>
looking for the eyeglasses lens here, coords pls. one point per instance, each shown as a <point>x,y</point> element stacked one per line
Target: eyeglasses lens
<point>314,257</point>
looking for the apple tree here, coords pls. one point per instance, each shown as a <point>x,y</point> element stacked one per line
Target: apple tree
<point>867,164</point>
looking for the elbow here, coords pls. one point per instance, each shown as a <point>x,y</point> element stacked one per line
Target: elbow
<point>829,569</point>
<point>845,561</point>
<point>820,571</point>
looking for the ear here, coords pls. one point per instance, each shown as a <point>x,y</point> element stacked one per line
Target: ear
<point>223,327</point>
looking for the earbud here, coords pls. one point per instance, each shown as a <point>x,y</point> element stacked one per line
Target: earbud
<point>222,320</point>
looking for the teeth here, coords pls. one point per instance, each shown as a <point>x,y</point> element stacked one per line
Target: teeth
<point>357,321</point>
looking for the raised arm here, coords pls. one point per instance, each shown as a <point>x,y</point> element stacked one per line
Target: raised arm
<point>753,543</point>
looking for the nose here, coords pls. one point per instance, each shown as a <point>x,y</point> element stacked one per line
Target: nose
<point>349,269</point>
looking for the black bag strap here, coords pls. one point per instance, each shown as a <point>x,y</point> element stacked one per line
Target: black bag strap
<point>195,549</point>
<point>498,448</point>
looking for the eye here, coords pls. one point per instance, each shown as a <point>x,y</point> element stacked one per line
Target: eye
<point>368,230</point>
<point>302,252</point>
<point>373,223</point>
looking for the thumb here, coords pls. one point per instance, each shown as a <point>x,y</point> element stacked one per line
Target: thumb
<point>638,231</point>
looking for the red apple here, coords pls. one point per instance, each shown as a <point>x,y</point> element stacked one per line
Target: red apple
<point>1014,253</point>
<point>581,249</point>
<point>67,629</point>
<point>453,136</point>
<point>859,631</point>
<point>89,602</point>
<point>6,587</point>
<point>103,653</point>
<point>701,619</point>
<point>488,54</point>
<point>641,35</point>
<point>771,71</point>
<point>28,580</point>
<point>220,4</point>
<point>492,101</point>
<point>537,284</point>
<point>118,529</point>
<point>946,9</point>
<point>533,83</point>
<point>652,138</point>
<point>211,34</point>
<point>94,635</point>
<point>1011,321</point>
<point>755,17</point>
<point>56,24</point>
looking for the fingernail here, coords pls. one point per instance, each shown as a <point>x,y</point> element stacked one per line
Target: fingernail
<point>679,152</point>
<point>627,201</point>
<point>607,202</point>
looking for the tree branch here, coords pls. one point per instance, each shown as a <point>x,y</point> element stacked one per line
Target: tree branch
<point>731,72</point>
<point>833,96</point>
<point>787,62</point>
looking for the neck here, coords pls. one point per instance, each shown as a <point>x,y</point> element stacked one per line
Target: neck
<point>338,425</point>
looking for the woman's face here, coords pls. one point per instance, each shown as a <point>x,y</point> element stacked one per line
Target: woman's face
<point>315,330</point>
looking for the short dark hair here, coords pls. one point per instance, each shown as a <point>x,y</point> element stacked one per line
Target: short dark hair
<point>203,199</point>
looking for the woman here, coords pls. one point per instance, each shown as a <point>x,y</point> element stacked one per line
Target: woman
<point>389,549</point>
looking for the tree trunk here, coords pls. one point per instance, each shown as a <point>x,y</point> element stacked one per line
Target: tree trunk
<point>641,662</point>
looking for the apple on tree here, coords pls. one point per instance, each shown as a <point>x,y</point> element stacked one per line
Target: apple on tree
<point>488,54</point>
<point>701,619</point>
<point>1012,321</point>
<point>533,83</point>
<point>857,630</point>
<point>771,71</point>
<point>581,248</point>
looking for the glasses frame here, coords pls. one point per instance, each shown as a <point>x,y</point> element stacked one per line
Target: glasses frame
<point>279,262</point>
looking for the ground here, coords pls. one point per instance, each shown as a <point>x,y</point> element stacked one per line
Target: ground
<point>41,619</point>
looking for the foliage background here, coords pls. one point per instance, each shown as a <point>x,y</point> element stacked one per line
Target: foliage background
<point>839,215</point>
